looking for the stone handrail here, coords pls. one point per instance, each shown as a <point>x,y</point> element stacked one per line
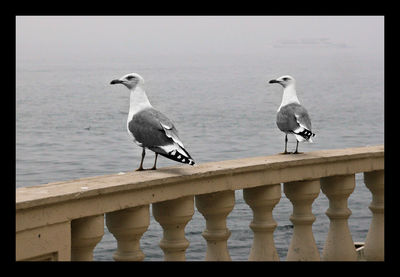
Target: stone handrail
<point>65,220</point>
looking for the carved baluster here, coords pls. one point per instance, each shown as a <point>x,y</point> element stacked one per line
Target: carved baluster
<point>128,226</point>
<point>302,195</point>
<point>173,215</point>
<point>339,245</point>
<point>215,207</point>
<point>374,243</point>
<point>86,233</point>
<point>262,201</point>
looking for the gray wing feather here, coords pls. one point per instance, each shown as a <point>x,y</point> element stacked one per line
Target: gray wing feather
<point>152,128</point>
<point>168,126</point>
<point>291,116</point>
<point>303,118</point>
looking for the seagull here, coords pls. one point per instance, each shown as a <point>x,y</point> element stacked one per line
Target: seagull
<point>148,127</point>
<point>292,118</point>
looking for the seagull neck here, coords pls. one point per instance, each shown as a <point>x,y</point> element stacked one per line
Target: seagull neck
<point>138,101</point>
<point>289,96</point>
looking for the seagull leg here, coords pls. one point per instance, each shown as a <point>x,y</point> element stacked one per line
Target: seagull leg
<point>141,162</point>
<point>297,147</point>
<point>155,162</point>
<point>286,140</point>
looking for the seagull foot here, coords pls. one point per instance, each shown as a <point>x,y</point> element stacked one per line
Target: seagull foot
<point>296,152</point>
<point>145,169</point>
<point>284,153</point>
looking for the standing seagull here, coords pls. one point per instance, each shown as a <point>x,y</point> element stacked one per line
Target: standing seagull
<point>148,127</point>
<point>292,118</point>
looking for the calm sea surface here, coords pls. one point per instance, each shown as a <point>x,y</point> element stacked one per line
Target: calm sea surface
<point>70,123</point>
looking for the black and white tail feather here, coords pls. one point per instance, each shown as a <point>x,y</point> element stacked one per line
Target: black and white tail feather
<point>302,134</point>
<point>179,157</point>
<point>173,150</point>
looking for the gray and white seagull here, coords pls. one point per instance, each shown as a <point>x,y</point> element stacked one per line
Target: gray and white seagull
<point>292,118</point>
<point>150,128</point>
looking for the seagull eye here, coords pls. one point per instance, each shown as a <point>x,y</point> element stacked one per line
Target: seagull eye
<point>285,79</point>
<point>130,77</point>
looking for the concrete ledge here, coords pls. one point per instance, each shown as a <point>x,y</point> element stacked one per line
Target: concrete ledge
<point>64,201</point>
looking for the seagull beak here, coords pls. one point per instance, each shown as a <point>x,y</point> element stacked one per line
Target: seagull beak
<point>113,82</point>
<point>273,81</point>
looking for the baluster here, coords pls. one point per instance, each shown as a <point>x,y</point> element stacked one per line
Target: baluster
<point>262,201</point>
<point>374,243</point>
<point>173,215</point>
<point>86,233</point>
<point>215,207</point>
<point>339,245</point>
<point>302,195</point>
<point>128,226</point>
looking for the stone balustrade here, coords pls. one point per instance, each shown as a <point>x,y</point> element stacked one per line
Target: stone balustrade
<point>65,220</point>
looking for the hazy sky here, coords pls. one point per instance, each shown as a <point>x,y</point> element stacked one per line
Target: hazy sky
<point>115,36</point>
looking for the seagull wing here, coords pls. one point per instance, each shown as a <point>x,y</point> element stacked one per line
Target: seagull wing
<point>303,131</point>
<point>293,118</point>
<point>302,117</point>
<point>155,131</point>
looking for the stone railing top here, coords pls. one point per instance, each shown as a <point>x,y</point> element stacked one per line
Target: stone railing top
<point>35,196</point>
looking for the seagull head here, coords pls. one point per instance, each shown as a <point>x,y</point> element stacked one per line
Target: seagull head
<point>130,80</point>
<point>284,81</point>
